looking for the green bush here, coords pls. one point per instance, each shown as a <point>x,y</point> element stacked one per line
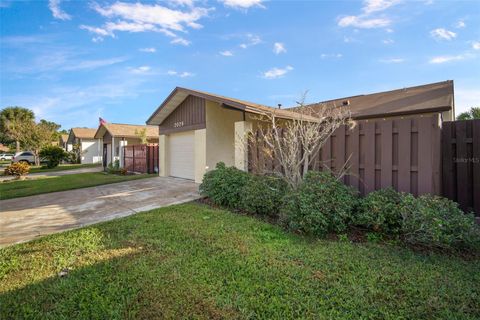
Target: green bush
<point>380,211</point>
<point>263,195</point>
<point>53,155</point>
<point>320,205</point>
<point>433,221</point>
<point>224,185</point>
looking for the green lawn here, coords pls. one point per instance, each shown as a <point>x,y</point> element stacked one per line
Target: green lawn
<point>63,167</point>
<point>15,189</point>
<point>194,262</point>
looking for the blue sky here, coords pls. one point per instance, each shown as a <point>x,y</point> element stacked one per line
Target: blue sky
<point>73,61</point>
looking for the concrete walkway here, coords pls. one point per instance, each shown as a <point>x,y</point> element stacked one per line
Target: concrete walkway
<point>57,173</point>
<point>23,219</point>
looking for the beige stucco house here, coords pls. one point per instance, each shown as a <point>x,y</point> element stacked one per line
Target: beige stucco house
<point>115,136</point>
<point>90,147</point>
<point>199,129</point>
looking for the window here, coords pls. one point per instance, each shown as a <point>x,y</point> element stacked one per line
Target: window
<point>27,154</point>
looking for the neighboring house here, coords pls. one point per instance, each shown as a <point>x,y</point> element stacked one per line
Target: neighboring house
<point>63,142</point>
<point>116,135</point>
<point>4,148</point>
<point>425,99</point>
<point>198,129</point>
<point>90,147</point>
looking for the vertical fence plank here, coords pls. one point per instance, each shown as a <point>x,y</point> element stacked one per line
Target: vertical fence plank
<point>404,145</point>
<point>448,178</point>
<point>425,156</point>
<point>386,139</point>
<point>340,149</point>
<point>326,154</point>
<point>462,166</point>
<point>369,165</point>
<point>476,166</point>
<point>354,158</point>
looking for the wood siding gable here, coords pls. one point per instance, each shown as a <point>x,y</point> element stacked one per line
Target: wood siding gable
<point>189,115</point>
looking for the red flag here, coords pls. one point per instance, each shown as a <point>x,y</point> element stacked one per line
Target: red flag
<point>102,121</point>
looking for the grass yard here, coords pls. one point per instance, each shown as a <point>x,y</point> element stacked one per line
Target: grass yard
<point>192,261</point>
<point>63,167</point>
<point>15,189</point>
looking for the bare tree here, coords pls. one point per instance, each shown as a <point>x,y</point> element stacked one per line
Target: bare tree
<point>293,137</point>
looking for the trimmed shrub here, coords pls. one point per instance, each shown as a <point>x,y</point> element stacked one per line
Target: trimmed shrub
<point>224,185</point>
<point>17,169</point>
<point>320,205</point>
<point>380,211</point>
<point>433,221</point>
<point>53,155</point>
<point>263,195</point>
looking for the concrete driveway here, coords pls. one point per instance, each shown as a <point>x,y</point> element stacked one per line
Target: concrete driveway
<point>23,219</point>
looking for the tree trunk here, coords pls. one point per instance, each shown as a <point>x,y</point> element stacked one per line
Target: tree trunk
<point>305,165</point>
<point>37,158</point>
<point>17,146</point>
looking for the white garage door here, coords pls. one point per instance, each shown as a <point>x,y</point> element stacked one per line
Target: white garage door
<point>181,150</point>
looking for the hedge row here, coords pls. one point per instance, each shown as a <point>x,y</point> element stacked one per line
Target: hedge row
<point>322,204</point>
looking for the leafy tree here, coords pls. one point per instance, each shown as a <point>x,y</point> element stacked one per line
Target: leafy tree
<point>13,122</point>
<point>39,135</point>
<point>142,135</point>
<point>473,113</point>
<point>53,155</point>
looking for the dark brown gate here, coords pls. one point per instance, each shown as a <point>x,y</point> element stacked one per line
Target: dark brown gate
<point>141,158</point>
<point>461,163</point>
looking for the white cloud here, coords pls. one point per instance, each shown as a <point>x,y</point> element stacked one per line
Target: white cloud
<point>275,73</point>
<point>95,30</point>
<point>53,60</point>
<point>183,74</point>
<point>476,45</point>
<point>331,55</point>
<point>363,22</point>
<point>141,70</point>
<point>444,59</point>
<point>371,6</point>
<point>180,41</point>
<point>442,34</point>
<point>460,24</point>
<point>92,64</point>
<point>242,4</point>
<point>389,30</point>
<point>149,50</point>
<point>279,47</point>
<point>138,17</point>
<point>188,3</point>
<point>388,41</point>
<point>252,40</point>
<point>54,6</point>
<point>226,53</point>
<point>393,60</point>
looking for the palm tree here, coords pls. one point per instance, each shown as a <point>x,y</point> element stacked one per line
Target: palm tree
<point>12,122</point>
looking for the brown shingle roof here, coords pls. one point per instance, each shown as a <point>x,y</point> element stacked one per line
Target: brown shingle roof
<point>126,130</point>
<point>433,97</point>
<point>63,138</point>
<point>84,133</point>
<point>179,94</point>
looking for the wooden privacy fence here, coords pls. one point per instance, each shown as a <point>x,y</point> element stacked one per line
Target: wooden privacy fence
<point>402,153</point>
<point>141,158</point>
<point>461,163</point>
